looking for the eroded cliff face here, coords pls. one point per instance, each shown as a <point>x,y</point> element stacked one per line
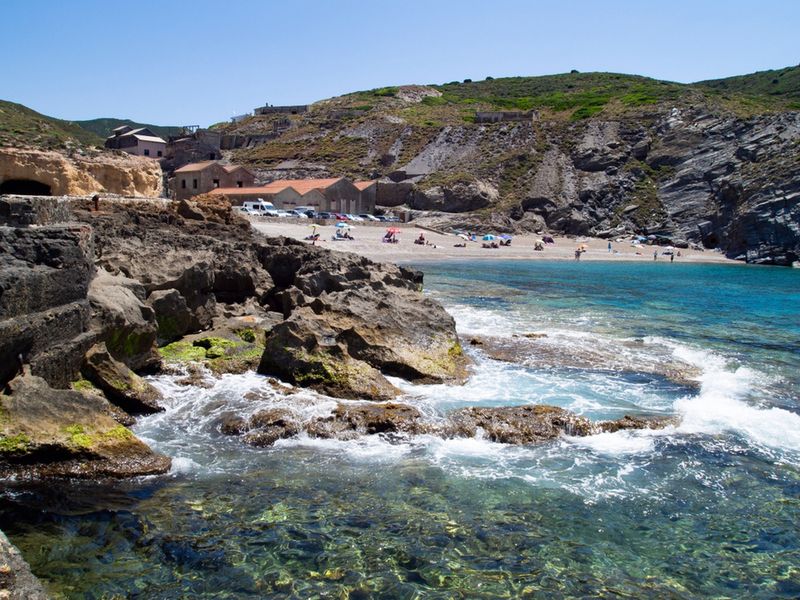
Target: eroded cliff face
<point>719,181</point>
<point>81,175</point>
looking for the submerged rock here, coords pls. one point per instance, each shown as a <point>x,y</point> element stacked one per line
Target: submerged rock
<point>49,432</point>
<point>16,580</point>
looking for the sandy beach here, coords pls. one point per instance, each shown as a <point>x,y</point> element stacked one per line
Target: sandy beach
<point>368,242</point>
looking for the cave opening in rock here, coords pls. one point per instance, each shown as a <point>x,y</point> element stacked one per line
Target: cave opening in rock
<point>25,187</point>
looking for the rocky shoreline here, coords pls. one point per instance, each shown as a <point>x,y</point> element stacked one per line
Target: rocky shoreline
<point>90,299</point>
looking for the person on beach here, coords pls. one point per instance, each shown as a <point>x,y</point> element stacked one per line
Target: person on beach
<point>577,253</point>
<point>671,258</point>
<point>609,247</point>
<point>655,254</point>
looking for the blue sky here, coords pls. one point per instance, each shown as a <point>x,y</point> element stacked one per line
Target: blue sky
<point>183,62</point>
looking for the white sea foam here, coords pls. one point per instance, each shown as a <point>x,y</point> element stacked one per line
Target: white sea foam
<point>728,402</point>
<point>617,443</point>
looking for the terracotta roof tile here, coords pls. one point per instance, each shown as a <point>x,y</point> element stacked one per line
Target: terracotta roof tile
<point>301,186</point>
<point>233,191</point>
<point>198,166</point>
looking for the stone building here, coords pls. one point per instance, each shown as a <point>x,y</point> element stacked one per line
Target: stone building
<point>139,142</point>
<point>322,195</point>
<point>203,177</point>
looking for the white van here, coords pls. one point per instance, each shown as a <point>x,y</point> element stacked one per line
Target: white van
<point>260,207</point>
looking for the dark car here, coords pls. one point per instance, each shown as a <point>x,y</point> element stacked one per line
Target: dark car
<point>324,215</point>
<point>311,214</point>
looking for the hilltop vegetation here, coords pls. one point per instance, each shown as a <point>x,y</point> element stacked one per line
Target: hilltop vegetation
<point>21,126</point>
<point>780,86</point>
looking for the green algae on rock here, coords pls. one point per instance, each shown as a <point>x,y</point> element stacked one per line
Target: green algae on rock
<point>50,432</point>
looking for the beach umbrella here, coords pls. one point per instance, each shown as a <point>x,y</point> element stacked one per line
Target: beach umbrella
<point>393,230</point>
<point>342,225</point>
<point>505,236</point>
<point>488,237</point>
<point>463,236</point>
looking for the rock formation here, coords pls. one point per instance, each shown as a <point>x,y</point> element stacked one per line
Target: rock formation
<point>518,425</point>
<point>81,175</point>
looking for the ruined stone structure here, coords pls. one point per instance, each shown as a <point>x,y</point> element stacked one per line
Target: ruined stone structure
<point>271,110</point>
<point>191,147</point>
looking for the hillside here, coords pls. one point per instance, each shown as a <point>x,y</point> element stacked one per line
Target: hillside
<point>714,163</point>
<point>103,127</point>
<point>780,85</point>
<point>21,126</point>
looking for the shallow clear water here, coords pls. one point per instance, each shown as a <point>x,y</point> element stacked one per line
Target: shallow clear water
<point>709,507</point>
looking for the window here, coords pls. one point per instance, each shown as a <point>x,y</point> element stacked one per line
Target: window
<point>194,183</point>
<point>238,184</point>
<point>183,184</point>
<point>216,183</point>
<point>160,154</point>
<point>147,151</point>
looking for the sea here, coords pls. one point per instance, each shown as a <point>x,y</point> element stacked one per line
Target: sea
<point>707,507</point>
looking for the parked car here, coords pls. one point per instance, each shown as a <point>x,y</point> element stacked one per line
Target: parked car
<point>340,217</point>
<point>381,218</point>
<point>367,217</point>
<point>324,215</point>
<point>283,214</point>
<point>353,217</point>
<point>296,214</point>
<point>270,212</point>
<point>245,210</point>
<point>311,214</point>
<point>392,219</point>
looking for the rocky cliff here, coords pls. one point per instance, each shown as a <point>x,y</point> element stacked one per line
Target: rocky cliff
<point>82,174</point>
<point>603,154</point>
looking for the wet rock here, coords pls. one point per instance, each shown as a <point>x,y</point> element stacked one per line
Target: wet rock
<point>232,424</point>
<point>120,385</point>
<point>16,580</point>
<point>50,432</point>
<point>635,422</point>
<point>516,424</point>
<point>352,420</point>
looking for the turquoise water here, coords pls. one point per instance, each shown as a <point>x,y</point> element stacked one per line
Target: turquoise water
<point>707,508</point>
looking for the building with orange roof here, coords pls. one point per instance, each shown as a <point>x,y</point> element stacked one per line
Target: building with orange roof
<point>203,177</point>
<point>337,194</point>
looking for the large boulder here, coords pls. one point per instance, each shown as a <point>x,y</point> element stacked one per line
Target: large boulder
<point>517,424</point>
<point>124,322</point>
<point>351,321</point>
<point>120,385</point>
<point>50,432</point>
<point>172,314</point>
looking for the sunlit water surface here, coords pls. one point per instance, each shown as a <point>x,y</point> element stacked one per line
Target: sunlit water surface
<point>709,507</point>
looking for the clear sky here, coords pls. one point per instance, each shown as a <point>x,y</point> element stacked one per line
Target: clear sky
<point>183,62</point>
